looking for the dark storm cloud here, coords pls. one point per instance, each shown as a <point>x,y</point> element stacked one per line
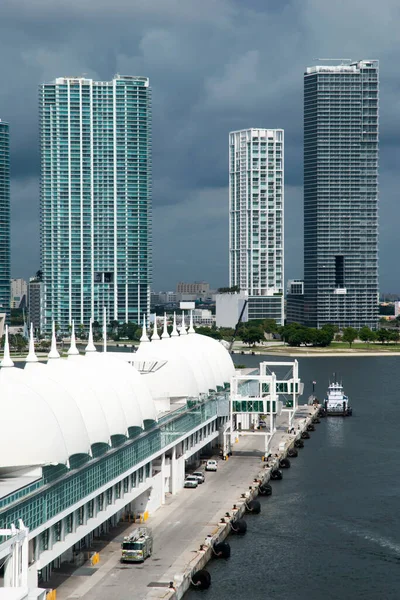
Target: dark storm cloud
<point>215,66</point>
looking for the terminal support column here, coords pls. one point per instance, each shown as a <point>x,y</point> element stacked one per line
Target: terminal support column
<point>163,478</point>
<point>173,471</point>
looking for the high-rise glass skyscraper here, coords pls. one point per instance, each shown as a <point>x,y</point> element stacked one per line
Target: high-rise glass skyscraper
<point>256,191</point>
<point>341,136</point>
<point>95,139</point>
<point>5,268</point>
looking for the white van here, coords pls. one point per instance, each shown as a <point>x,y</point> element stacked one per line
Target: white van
<point>211,465</point>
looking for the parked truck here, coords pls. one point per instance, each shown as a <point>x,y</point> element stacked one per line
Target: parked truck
<point>137,546</point>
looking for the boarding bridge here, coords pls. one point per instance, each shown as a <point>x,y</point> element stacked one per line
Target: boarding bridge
<point>260,399</point>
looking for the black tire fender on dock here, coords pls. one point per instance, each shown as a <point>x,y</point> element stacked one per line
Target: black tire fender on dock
<point>265,489</point>
<point>305,435</point>
<point>310,427</point>
<point>316,420</point>
<point>276,475</point>
<point>284,463</point>
<point>292,453</point>
<point>201,580</point>
<point>239,527</point>
<point>253,507</point>
<point>299,444</point>
<point>222,550</point>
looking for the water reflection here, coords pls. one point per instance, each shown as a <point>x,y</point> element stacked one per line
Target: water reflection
<point>335,431</point>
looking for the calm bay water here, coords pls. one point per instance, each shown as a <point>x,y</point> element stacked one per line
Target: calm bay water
<point>331,529</point>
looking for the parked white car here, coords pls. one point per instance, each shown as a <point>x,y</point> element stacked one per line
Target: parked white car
<point>211,465</point>
<point>199,476</point>
<point>191,482</point>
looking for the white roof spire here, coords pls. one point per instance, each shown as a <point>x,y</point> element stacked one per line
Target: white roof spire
<point>182,329</point>
<point>90,345</point>
<point>144,337</point>
<point>191,328</point>
<point>73,350</point>
<point>53,349</point>
<point>165,334</point>
<point>6,362</point>
<point>31,358</point>
<point>104,329</point>
<point>174,329</point>
<point>155,336</point>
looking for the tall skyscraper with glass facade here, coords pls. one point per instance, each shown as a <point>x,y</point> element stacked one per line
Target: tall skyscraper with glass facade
<point>95,141</point>
<point>256,194</point>
<point>5,268</point>
<point>341,143</point>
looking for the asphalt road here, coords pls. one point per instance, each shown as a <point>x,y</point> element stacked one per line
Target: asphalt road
<point>175,526</point>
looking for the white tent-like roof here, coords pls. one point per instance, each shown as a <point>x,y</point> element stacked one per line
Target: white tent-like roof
<point>63,405</point>
<point>194,348</point>
<point>30,431</point>
<point>176,378</point>
<point>129,384</point>
<point>216,353</point>
<point>57,410</point>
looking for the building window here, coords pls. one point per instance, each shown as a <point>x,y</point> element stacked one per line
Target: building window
<point>81,515</point>
<point>118,490</point>
<point>69,523</point>
<point>57,531</point>
<point>339,271</point>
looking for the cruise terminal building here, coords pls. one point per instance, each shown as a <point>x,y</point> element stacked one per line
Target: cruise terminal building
<point>92,437</point>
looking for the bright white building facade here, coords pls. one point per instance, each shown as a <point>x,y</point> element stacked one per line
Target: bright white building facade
<point>105,435</point>
<point>19,288</point>
<point>256,219</point>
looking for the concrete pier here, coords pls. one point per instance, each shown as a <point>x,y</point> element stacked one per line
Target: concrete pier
<point>182,526</point>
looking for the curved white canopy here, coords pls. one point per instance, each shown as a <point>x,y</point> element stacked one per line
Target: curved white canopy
<point>193,360</point>
<point>146,401</point>
<point>176,378</point>
<point>63,405</point>
<point>79,388</point>
<point>30,432</point>
<point>220,354</point>
<point>105,393</point>
<point>118,375</point>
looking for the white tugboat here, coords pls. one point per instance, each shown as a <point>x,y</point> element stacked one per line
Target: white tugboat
<point>336,402</point>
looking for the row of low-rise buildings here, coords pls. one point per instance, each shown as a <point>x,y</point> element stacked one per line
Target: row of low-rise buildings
<point>184,292</point>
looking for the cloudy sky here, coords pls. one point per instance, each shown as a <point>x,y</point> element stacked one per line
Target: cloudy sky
<point>214,66</point>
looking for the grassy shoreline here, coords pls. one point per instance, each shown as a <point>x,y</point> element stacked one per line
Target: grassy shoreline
<point>335,349</point>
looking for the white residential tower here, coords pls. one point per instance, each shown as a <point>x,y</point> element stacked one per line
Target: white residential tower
<point>256,192</point>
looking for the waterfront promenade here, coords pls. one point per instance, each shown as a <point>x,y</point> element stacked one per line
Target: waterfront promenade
<point>179,528</point>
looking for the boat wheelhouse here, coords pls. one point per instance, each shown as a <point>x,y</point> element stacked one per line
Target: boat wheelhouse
<point>336,402</point>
